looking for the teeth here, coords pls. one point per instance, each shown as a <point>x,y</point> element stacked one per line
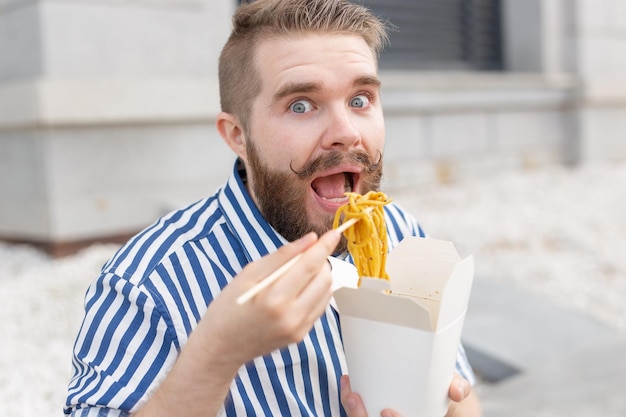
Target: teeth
<point>335,200</point>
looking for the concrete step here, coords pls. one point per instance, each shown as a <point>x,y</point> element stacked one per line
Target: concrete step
<point>539,359</point>
<point>520,329</point>
<point>583,383</point>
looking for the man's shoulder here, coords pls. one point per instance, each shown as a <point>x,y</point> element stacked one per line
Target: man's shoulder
<point>401,223</point>
<point>152,246</point>
<point>397,214</point>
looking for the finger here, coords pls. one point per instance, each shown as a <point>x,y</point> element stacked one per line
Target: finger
<point>257,271</point>
<point>307,269</point>
<point>314,299</point>
<point>387,412</point>
<point>459,389</point>
<point>351,401</point>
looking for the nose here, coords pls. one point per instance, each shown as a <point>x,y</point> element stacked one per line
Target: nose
<point>341,131</point>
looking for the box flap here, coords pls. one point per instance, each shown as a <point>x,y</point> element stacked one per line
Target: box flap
<point>429,287</point>
<point>372,301</point>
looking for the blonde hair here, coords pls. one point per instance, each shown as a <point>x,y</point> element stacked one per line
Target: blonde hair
<point>238,75</point>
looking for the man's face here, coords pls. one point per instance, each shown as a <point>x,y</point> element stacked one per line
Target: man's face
<point>316,129</point>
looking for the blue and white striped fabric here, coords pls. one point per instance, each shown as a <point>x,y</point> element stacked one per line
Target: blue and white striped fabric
<point>152,293</point>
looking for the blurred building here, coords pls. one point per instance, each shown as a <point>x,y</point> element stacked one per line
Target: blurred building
<point>107,106</point>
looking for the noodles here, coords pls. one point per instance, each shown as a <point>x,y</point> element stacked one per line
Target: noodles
<point>367,239</point>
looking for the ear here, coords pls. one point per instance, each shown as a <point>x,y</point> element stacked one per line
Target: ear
<point>230,130</point>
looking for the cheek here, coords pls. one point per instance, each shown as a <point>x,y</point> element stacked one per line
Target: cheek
<point>271,145</point>
<point>292,146</point>
<point>374,136</point>
<point>281,141</point>
<point>380,129</point>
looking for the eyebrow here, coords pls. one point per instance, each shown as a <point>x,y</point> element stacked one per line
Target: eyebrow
<point>367,80</point>
<point>299,88</point>
<point>296,88</point>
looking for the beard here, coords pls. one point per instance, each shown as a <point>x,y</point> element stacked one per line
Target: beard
<point>281,195</point>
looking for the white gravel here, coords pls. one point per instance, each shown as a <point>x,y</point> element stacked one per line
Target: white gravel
<point>559,231</point>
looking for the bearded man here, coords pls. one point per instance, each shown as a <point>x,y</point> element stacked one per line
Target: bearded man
<point>163,334</point>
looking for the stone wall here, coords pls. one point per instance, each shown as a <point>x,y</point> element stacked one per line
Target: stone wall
<point>107,109</point>
<point>106,115</point>
<point>600,36</point>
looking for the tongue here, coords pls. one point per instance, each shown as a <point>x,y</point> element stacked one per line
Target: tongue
<point>333,186</point>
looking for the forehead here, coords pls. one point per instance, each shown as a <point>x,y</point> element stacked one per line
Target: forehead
<point>325,58</point>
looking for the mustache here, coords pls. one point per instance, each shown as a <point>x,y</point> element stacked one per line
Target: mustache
<point>335,158</point>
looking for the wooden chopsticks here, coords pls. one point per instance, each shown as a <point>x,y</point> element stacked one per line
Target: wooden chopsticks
<point>267,281</point>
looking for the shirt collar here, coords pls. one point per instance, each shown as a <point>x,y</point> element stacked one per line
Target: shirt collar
<point>256,236</point>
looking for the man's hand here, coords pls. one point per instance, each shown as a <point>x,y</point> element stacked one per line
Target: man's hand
<point>229,335</point>
<point>464,402</point>
<point>279,315</point>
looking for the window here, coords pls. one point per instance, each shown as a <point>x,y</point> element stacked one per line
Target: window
<point>441,34</point>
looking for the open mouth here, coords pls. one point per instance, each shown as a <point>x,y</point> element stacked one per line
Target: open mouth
<point>333,187</point>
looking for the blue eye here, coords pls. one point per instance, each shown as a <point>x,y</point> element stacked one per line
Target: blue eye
<point>360,101</point>
<point>301,106</point>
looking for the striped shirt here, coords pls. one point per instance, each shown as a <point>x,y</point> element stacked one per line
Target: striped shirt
<point>149,297</point>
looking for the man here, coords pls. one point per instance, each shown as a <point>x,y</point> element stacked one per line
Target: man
<point>162,334</point>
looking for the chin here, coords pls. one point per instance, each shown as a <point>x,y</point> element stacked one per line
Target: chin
<point>321,221</point>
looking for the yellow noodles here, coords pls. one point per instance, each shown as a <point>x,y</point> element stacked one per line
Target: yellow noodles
<point>367,239</point>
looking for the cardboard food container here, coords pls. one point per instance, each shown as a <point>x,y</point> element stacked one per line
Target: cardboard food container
<point>401,336</point>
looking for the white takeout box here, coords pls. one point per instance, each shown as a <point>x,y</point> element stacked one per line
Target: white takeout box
<point>401,346</point>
